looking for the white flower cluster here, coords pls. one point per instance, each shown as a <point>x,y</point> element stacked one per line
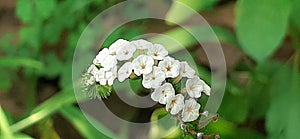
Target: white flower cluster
<point>152,63</point>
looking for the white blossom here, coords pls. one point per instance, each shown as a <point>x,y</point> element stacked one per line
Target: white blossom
<point>92,69</point>
<point>163,93</point>
<point>124,71</point>
<point>190,110</point>
<point>153,79</point>
<point>125,52</point>
<point>175,104</point>
<point>109,62</point>
<point>101,55</point>
<point>195,86</point>
<point>100,76</point>
<point>186,70</point>
<point>111,75</point>
<point>157,51</point>
<point>113,48</point>
<point>141,44</point>
<point>142,64</point>
<point>170,66</point>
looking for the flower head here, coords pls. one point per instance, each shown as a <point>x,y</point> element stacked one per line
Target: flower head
<point>190,110</point>
<point>153,79</point>
<point>113,48</point>
<point>175,104</point>
<point>186,70</point>
<point>163,93</point>
<point>157,51</point>
<point>170,66</point>
<point>125,52</point>
<point>100,76</point>
<point>141,44</point>
<point>142,64</point>
<point>125,71</point>
<point>195,86</point>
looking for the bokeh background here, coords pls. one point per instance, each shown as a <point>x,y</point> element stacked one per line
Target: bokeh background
<point>260,40</point>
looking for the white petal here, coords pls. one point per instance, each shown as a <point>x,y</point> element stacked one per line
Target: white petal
<point>186,70</point>
<point>141,44</point>
<point>142,64</point>
<point>100,76</point>
<point>92,69</point>
<point>124,72</point>
<point>194,87</point>
<point>175,104</point>
<point>111,75</point>
<point>117,45</point>
<point>109,62</point>
<point>163,93</point>
<point>157,51</point>
<point>170,66</point>
<point>101,55</point>
<point>153,79</point>
<point>190,111</point>
<point>125,52</point>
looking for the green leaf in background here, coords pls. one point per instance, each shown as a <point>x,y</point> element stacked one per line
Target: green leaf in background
<point>283,115</point>
<point>261,26</point>
<point>79,121</point>
<point>178,12</point>
<point>16,62</point>
<point>295,16</point>
<point>4,125</point>
<point>44,8</point>
<point>186,39</point>
<point>24,10</point>
<point>31,36</point>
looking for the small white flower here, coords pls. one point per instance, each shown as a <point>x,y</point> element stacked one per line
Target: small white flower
<point>92,69</point>
<point>157,51</point>
<point>101,55</point>
<point>100,76</point>
<point>186,70</point>
<point>195,86</point>
<point>141,44</point>
<point>125,71</point>
<point>113,48</point>
<point>163,93</point>
<point>175,104</point>
<point>91,80</point>
<point>125,52</point>
<point>109,62</point>
<point>190,110</point>
<point>111,75</point>
<point>153,79</point>
<point>142,64</point>
<point>170,66</point>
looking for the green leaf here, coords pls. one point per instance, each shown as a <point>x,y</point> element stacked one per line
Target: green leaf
<point>24,10</point>
<point>295,16</point>
<point>186,39</point>
<point>178,12</point>
<point>282,120</point>
<point>17,62</point>
<point>4,125</point>
<point>44,8</point>
<point>261,26</point>
<point>31,36</point>
<point>80,122</point>
<point>47,108</point>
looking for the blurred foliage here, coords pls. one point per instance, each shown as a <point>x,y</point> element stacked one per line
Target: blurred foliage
<point>266,106</point>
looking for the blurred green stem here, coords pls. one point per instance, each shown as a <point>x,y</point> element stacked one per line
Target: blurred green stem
<point>31,96</point>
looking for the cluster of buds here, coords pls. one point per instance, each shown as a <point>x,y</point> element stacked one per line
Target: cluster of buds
<point>159,72</point>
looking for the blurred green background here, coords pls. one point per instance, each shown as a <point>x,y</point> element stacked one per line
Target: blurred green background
<point>260,40</point>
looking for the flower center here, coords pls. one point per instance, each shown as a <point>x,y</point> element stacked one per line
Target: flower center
<point>155,54</point>
<point>173,102</point>
<point>143,66</point>
<point>168,68</point>
<point>126,52</point>
<point>189,109</point>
